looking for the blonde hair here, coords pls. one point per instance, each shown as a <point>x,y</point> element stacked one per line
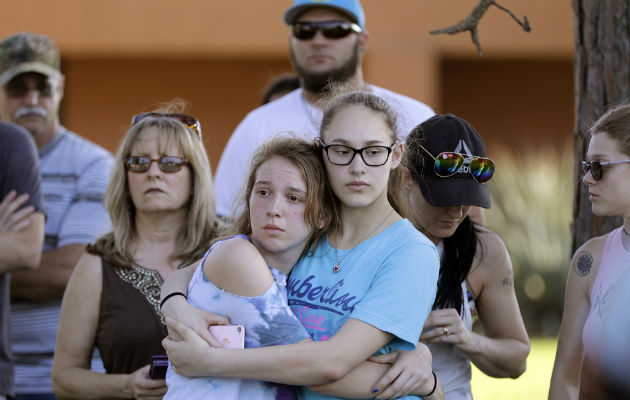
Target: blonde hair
<point>201,223</point>
<point>320,212</point>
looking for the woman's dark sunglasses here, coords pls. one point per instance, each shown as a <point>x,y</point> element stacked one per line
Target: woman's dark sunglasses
<point>448,163</point>
<point>188,120</point>
<point>596,167</point>
<point>330,29</point>
<point>167,164</point>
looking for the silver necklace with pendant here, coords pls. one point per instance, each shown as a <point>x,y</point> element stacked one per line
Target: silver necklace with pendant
<point>337,266</point>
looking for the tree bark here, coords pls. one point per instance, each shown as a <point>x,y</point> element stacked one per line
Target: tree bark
<point>602,79</point>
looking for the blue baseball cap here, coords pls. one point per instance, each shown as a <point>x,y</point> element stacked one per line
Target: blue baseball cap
<point>351,8</point>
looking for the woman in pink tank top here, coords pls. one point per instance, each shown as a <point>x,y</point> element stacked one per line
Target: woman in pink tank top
<point>593,355</point>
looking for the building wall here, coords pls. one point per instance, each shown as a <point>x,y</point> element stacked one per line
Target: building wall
<point>103,94</point>
<point>121,57</point>
<point>517,103</point>
<point>254,27</point>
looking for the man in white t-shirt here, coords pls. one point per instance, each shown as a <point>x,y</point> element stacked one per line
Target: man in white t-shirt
<point>327,43</point>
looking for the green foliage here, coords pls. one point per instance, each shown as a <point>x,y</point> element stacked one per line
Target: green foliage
<point>532,385</point>
<point>532,196</point>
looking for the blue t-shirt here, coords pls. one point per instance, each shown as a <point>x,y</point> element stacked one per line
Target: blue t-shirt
<point>388,281</point>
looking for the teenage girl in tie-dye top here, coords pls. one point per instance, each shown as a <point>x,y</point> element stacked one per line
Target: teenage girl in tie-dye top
<point>243,276</point>
<point>267,320</point>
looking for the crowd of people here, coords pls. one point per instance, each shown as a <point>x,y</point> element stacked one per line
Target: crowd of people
<point>348,256</point>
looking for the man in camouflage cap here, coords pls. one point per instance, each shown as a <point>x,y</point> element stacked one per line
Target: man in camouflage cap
<point>28,59</point>
<point>28,53</point>
<point>75,173</point>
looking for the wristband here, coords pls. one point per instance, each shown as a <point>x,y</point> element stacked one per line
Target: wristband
<point>171,295</point>
<point>434,383</point>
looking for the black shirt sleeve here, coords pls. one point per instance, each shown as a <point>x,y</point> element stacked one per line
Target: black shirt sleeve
<point>19,165</point>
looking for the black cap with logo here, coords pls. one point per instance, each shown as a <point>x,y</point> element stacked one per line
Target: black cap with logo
<point>446,133</point>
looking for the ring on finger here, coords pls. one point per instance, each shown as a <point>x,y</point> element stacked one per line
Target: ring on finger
<point>445,328</point>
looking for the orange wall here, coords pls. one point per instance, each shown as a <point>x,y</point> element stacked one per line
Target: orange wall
<point>255,28</point>
<point>123,56</point>
<point>103,94</point>
<point>522,104</point>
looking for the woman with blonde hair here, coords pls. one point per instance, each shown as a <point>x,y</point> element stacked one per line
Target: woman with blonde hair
<point>286,207</point>
<point>162,211</point>
<point>593,355</point>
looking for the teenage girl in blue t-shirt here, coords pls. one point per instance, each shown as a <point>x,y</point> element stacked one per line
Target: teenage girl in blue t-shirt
<point>367,288</point>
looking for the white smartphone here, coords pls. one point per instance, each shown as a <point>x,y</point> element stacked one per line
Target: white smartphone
<point>230,336</point>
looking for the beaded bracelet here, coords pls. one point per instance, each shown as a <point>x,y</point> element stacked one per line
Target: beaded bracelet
<point>171,295</point>
<point>434,386</point>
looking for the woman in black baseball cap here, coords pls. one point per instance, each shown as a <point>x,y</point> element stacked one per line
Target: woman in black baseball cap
<point>447,173</point>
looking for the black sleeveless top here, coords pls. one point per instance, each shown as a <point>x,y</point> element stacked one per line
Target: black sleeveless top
<point>130,326</point>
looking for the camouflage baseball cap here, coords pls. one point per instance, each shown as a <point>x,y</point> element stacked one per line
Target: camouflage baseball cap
<point>28,52</point>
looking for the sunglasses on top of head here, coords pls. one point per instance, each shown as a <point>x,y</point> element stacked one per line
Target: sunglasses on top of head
<point>448,163</point>
<point>330,29</point>
<point>597,167</point>
<point>191,122</point>
<point>167,164</point>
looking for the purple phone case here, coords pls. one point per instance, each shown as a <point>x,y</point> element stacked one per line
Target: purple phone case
<point>159,364</point>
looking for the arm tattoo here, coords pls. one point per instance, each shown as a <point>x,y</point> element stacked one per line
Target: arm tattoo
<point>584,264</point>
<point>508,280</point>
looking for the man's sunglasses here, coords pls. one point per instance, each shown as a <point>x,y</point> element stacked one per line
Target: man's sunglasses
<point>18,87</point>
<point>330,29</point>
<point>188,120</point>
<point>167,164</point>
<point>597,167</point>
<point>448,164</point>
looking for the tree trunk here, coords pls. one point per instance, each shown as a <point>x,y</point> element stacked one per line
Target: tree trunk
<point>602,79</point>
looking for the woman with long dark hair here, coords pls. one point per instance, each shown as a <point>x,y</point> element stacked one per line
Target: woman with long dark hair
<point>446,174</point>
